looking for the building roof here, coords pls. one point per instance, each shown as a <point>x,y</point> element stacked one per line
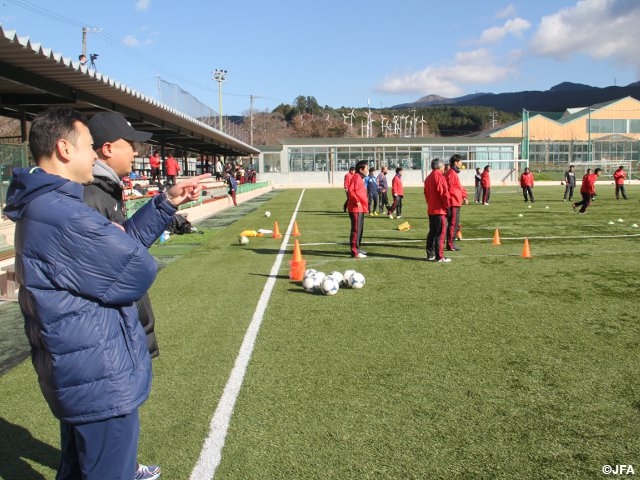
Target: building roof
<point>34,78</point>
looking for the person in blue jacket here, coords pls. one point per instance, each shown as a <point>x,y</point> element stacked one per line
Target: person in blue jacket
<point>79,276</point>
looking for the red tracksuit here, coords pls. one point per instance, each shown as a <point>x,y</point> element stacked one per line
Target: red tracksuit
<point>358,205</point>
<point>456,196</point>
<point>436,193</point>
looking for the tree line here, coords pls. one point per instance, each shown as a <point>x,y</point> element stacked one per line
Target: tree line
<point>306,118</point>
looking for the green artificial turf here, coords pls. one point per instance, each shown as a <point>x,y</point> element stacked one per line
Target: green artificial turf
<point>493,366</point>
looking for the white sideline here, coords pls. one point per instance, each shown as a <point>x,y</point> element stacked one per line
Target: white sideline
<point>211,452</point>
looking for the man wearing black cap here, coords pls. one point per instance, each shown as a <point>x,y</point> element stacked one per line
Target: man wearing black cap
<point>113,141</point>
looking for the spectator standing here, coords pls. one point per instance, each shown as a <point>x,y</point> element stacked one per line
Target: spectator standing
<point>398,194</point>
<point>346,182</point>
<point>526,183</point>
<point>485,182</point>
<point>587,190</point>
<point>619,177</point>
<point>219,168</point>
<point>457,196</point>
<point>372,191</point>
<point>570,183</point>
<point>436,194</point>
<point>113,139</point>
<point>173,169</point>
<point>478,185</point>
<point>358,205</point>
<point>383,189</point>
<point>154,165</point>
<point>79,277</point>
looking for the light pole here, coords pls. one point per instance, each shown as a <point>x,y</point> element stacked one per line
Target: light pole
<point>219,76</point>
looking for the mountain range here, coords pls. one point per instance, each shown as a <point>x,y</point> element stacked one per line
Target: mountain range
<point>556,99</point>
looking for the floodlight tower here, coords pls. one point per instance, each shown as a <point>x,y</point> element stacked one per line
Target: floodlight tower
<point>219,76</point>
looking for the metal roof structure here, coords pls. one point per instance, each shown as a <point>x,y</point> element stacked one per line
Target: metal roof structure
<point>34,78</point>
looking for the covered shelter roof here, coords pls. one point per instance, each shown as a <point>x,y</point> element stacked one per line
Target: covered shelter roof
<point>34,78</point>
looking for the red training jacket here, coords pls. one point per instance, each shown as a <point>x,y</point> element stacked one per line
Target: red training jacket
<point>526,180</point>
<point>172,166</point>
<point>436,193</point>
<point>347,180</point>
<point>358,198</point>
<point>456,193</point>
<point>396,185</point>
<point>485,179</point>
<point>619,177</point>
<point>589,183</point>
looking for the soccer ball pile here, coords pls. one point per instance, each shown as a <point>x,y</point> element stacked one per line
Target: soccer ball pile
<point>319,282</point>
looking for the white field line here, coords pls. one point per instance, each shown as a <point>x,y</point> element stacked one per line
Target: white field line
<point>463,241</point>
<point>211,453</point>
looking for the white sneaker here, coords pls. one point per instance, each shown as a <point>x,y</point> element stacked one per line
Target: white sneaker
<point>444,260</point>
<point>361,255</point>
<point>399,216</point>
<point>391,216</point>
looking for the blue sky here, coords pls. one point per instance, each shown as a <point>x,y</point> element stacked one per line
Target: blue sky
<point>343,53</point>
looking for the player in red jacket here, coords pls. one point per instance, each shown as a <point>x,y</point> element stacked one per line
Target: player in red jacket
<point>526,183</point>
<point>358,205</point>
<point>457,196</point>
<point>587,190</point>
<point>347,180</point>
<point>154,165</point>
<point>485,182</point>
<point>172,168</point>
<point>619,176</point>
<point>398,194</point>
<point>436,193</point>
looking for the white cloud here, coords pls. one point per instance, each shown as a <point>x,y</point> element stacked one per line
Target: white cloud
<point>470,68</point>
<point>515,26</point>
<point>143,5</point>
<point>134,41</point>
<point>598,28</point>
<point>506,12</point>
<point>131,41</point>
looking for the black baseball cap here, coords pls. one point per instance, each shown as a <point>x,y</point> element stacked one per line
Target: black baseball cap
<point>111,126</point>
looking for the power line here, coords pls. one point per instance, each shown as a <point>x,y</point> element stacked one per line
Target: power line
<point>107,38</point>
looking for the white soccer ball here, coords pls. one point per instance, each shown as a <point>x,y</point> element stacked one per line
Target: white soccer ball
<point>356,280</point>
<point>329,285</point>
<point>318,277</point>
<point>347,276</point>
<point>243,240</point>
<point>338,277</point>
<point>309,272</point>
<point>308,283</point>
<point>267,213</point>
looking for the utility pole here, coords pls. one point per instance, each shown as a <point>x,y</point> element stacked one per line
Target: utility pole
<point>86,30</point>
<point>251,97</point>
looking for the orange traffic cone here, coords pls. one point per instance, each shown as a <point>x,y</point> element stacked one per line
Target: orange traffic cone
<point>526,253</point>
<point>297,264</point>
<point>296,232</point>
<point>496,238</point>
<point>276,231</point>
<point>459,234</point>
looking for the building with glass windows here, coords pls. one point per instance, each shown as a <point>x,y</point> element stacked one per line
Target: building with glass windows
<point>324,161</point>
<point>606,134</point>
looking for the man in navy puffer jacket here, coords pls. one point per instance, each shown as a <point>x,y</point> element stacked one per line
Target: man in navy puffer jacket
<point>79,276</point>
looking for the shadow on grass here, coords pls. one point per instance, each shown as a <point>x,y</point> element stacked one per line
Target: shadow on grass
<point>17,445</point>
